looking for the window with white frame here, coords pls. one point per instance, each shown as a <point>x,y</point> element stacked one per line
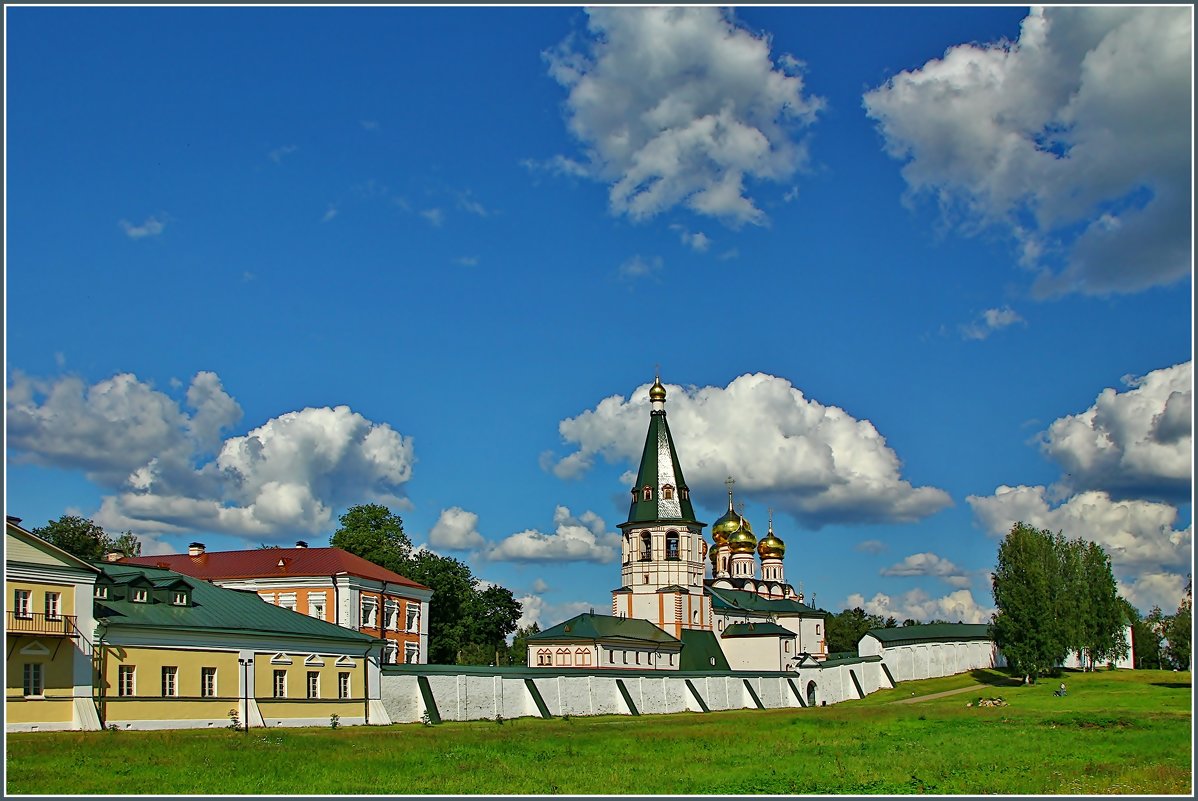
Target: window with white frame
<point>179,597</point>
<point>390,653</point>
<point>316,605</point>
<point>287,600</point>
<point>126,682</point>
<point>23,603</point>
<point>101,591</point>
<point>141,595</point>
<point>53,605</point>
<point>370,612</point>
<point>280,683</point>
<point>411,653</point>
<point>34,682</point>
<point>170,681</point>
<point>208,682</point>
<point>343,685</point>
<point>313,684</point>
<point>413,617</point>
<point>391,617</point>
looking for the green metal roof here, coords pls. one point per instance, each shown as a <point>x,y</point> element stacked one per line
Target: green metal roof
<point>589,626</point>
<point>211,607</point>
<point>743,601</point>
<point>850,659</point>
<point>932,632</point>
<point>659,467</point>
<point>699,647</point>
<point>765,629</point>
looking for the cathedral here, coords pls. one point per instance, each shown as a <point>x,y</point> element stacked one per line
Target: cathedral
<point>670,612</point>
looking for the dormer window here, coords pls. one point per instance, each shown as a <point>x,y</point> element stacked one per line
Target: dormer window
<point>647,494</point>
<point>179,598</point>
<point>667,493</point>
<point>140,596</point>
<point>101,591</point>
<point>686,494</point>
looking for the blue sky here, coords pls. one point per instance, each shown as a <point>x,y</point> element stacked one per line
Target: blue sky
<point>910,274</point>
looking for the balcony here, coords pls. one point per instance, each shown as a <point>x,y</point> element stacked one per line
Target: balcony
<point>41,624</point>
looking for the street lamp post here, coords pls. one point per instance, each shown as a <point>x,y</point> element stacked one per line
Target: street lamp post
<point>245,690</point>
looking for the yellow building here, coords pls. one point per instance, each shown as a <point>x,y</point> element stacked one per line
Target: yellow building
<point>178,652</point>
<point>47,632</point>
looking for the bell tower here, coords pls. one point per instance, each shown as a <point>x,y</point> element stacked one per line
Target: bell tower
<point>662,549</point>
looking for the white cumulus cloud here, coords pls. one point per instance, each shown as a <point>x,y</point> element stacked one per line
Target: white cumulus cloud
<point>151,227</point>
<point>918,605</point>
<point>1133,443</point>
<point>929,564</point>
<point>681,106</point>
<point>172,471</point>
<point>1138,535</point>
<point>1075,139</point>
<point>574,539</point>
<point>1157,588</point>
<point>816,462</point>
<point>456,529</point>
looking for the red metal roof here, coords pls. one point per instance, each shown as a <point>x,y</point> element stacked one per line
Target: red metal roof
<point>264,563</point>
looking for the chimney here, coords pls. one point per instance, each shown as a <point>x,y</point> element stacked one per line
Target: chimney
<point>301,544</point>
<point>113,556</point>
<point>195,549</point>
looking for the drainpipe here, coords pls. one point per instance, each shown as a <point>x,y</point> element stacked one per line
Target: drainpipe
<point>98,670</point>
<point>336,606</point>
<point>366,685</point>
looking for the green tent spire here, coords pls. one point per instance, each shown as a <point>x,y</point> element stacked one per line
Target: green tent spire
<point>661,493</point>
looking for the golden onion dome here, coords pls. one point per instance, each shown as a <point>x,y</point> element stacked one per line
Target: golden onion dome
<point>657,392</point>
<point>743,540</point>
<point>771,547</point>
<point>725,527</point>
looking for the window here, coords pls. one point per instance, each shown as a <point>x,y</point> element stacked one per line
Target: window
<point>638,657</point>
<point>343,685</point>
<point>646,546</point>
<point>34,685</point>
<point>672,545</point>
<point>582,656</point>
<point>391,653</point>
<point>101,591</point>
<point>316,605</point>
<point>126,680</point>
<point>411,653</point>
<point>170,685</point>
<point>544,657</point>
<point>287,600</point>
<point>611,657</point>
<point>625,653</point>
<point>53,605</point>
<point>686,494</point>
<point>647,494</point>
<point>23,603</point>
<point>313,684</point>
<point>786,646</point>
<point>817,628</point>
<point>140,596</point>
<point>671,659</point>
<point>391,618</point>
<point>370,612</point>
<point>413,617</point>
<point>208,682</point>
<point>280,684</point>
<point>563,656</point>
<point>179,598</point>
<point>667,493</point>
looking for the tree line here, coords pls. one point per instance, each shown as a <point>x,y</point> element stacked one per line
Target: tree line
<point>469,622</point>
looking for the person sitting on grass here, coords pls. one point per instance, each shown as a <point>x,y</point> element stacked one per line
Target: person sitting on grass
<point>1060,690</point>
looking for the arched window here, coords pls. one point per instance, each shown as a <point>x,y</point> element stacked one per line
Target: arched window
<point>667,493</point>
<point>646,493</point>
<point>627,548</point>
<point>582,656</point>
<point>563,656</point>
<point>786,646</point>
<point>672,545</point>
<point>686,494</point>
<point>544,657</point>
<point>646,546</point>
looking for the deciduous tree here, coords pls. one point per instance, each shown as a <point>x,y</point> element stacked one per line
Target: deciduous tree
<point>374,533</point>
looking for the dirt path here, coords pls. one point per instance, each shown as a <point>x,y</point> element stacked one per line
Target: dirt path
<point>919,698</point>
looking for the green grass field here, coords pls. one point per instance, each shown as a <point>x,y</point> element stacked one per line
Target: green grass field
<point>1115,732</point>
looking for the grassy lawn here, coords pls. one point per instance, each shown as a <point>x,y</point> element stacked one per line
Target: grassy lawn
<point>1115,732</point>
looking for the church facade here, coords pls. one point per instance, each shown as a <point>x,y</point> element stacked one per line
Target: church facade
<point>738,613</point>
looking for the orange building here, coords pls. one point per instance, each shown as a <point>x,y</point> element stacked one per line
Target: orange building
<point>325,583</point>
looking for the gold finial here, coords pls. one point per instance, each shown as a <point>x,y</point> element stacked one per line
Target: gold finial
<point>770,512</point>
<point>657,392</point>
<point>728,483</point>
